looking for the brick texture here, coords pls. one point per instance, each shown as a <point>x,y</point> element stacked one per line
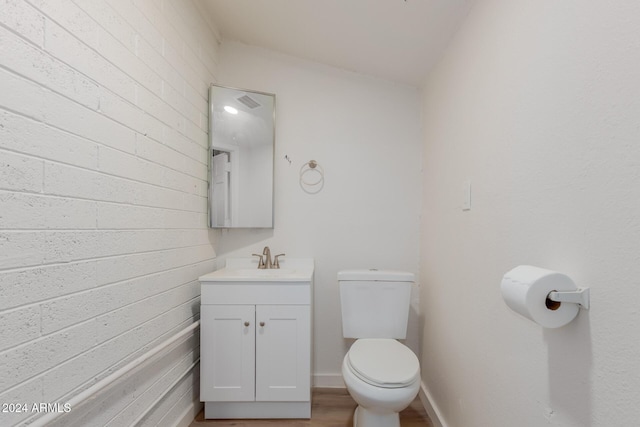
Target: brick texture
<point>103,182</point>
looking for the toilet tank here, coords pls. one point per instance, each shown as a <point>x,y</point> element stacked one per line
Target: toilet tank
<point>375,303</point>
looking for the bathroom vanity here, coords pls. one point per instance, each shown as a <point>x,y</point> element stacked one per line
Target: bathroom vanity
<point>255,340</point>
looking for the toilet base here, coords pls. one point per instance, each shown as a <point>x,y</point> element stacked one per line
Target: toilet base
<point>363,417</point>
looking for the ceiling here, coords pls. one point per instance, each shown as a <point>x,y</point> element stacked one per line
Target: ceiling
<point>399,40</point>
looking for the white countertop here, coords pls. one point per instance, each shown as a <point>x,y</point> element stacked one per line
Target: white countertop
<point>246,270</point>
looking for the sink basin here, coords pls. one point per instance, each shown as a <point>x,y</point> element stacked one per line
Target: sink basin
<point>250,272</point>
<point>241,270</point>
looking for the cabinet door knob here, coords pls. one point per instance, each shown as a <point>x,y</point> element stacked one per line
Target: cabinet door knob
<point>261,323</point>
<point>246,323</point>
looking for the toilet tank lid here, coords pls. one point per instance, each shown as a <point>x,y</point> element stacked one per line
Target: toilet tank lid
<point>376,275</point>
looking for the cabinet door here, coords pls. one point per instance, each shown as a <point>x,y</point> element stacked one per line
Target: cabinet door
<point>227,353</point>
<point>283,353</point>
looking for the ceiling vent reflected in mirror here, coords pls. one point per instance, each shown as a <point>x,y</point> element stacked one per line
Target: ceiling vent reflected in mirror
<point>248,101</point>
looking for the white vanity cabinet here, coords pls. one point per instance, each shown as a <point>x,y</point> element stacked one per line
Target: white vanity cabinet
<point>255,344</point>
<point>227,352</point>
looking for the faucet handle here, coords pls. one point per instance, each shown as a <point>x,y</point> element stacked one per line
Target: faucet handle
<point>261,264</point>
<point>276,264</point>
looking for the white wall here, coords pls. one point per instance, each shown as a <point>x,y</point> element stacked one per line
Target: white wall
<point>103,167</point>
<point>537,102</point>
<point>365,133</point>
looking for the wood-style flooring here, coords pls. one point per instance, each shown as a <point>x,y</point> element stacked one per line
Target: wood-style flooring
<point>330,407</point>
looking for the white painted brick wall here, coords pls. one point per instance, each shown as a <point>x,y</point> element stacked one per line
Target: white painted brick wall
<point>103,167</point>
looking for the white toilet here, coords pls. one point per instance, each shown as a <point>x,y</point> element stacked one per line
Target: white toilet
<point>381,374</point>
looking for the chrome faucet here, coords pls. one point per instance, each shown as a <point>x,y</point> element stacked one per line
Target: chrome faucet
<point>265,259</point>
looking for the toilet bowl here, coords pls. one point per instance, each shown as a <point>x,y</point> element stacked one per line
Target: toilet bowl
<point>381,374</point>
<point>383,377</point>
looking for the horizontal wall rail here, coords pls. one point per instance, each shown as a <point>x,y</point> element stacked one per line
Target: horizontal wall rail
<point>92,391</point>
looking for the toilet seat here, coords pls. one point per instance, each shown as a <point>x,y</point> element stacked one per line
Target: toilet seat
<point>383,363</point>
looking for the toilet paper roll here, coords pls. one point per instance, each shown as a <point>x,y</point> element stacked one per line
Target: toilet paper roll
<point>525,290</point>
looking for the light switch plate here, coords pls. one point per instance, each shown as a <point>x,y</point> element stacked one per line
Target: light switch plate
<point>466,195</point>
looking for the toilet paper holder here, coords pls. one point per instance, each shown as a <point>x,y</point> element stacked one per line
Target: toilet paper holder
<point>580,296</point>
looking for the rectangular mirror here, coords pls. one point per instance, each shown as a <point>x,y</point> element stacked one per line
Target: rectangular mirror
<point>241,156</point>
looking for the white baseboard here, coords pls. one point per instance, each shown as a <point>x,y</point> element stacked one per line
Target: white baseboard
<point>429,405</point>
<point>328,381</point>
<point>189,414</point>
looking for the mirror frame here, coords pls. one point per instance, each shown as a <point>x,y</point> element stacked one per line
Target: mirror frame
<point>212,147</point>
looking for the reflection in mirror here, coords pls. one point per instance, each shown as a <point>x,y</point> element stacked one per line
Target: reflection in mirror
<point>241,138</point>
